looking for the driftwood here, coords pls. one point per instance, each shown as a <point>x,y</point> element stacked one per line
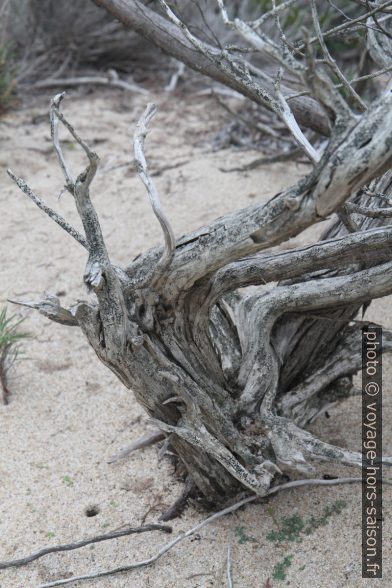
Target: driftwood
<point>235,377</point>
<point>204,363</point>
<point>232,377</point>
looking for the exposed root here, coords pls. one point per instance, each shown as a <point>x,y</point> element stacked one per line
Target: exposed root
<point>176,510</point>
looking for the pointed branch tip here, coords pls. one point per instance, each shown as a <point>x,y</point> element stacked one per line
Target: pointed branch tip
<point>142,169</point>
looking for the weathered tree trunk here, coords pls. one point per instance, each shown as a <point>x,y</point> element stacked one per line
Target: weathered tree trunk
<point>303,341</point>
<point>232,377</point>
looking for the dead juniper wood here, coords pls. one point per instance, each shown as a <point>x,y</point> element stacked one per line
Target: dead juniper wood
<point>232,377</point>
<point>208,363</point>
<point>71,546</point>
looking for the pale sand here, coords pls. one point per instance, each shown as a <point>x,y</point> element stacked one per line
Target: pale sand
<point>68,414</point>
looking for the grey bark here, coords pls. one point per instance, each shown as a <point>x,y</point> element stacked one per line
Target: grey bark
<point>232,377</point>
<point>153,27</point>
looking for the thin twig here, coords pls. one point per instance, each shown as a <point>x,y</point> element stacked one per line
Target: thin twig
<point>193,530</point>
<point>142,170</point>
<point>90,80</point>
<point>229,574</point>
<point>144,441</point>
<point>289,119</point>
<point>370,76</point>
<point>379,27</point>
<point>222,60</point>
<point>286,45</point>
<point>172,85</point>
<point>347,220</point>
<point>279,157</point>
<point>366,4</point>
<point>91,155</point>
<point>49,211</point>
<point>70,546</point>
<point>54,131</point>
<point>346,25</point>
<point>331,61</point>
<point>261,42</point>
<point>257,23</point>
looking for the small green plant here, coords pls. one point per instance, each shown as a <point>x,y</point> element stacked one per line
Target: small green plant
<point>243,537</point>
<point>10,349</point>
<point>290,530</point>
<point>316,522</point>
<point>280,568</point>
<point>292,527</point>
<point>68,480</point>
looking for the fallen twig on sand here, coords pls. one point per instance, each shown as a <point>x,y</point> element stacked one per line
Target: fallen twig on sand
<point>229,574</point>
<point>285,156</point>
<point>193,530</point>
<point>70,546</point>
<point>111,80</point>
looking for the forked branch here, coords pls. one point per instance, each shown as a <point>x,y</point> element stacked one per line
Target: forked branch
<point>49,211</point>
<point>142,169</point>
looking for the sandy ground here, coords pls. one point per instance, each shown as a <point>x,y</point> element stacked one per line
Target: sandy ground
<point>68,414</point>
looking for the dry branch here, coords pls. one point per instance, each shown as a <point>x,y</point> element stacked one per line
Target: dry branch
<point>51,308</point>
<point>234,377</point>
<point>51,213</point>
<point>229,573</point>
<point>96,539</point>
<point>178,372</point>
<point>172,85</point>
<point>142,169</point>
<point>332,62</point>
<point>172,40</point>
<point>111,81</point>
<point>54,132</point>
<point>144,441</point>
